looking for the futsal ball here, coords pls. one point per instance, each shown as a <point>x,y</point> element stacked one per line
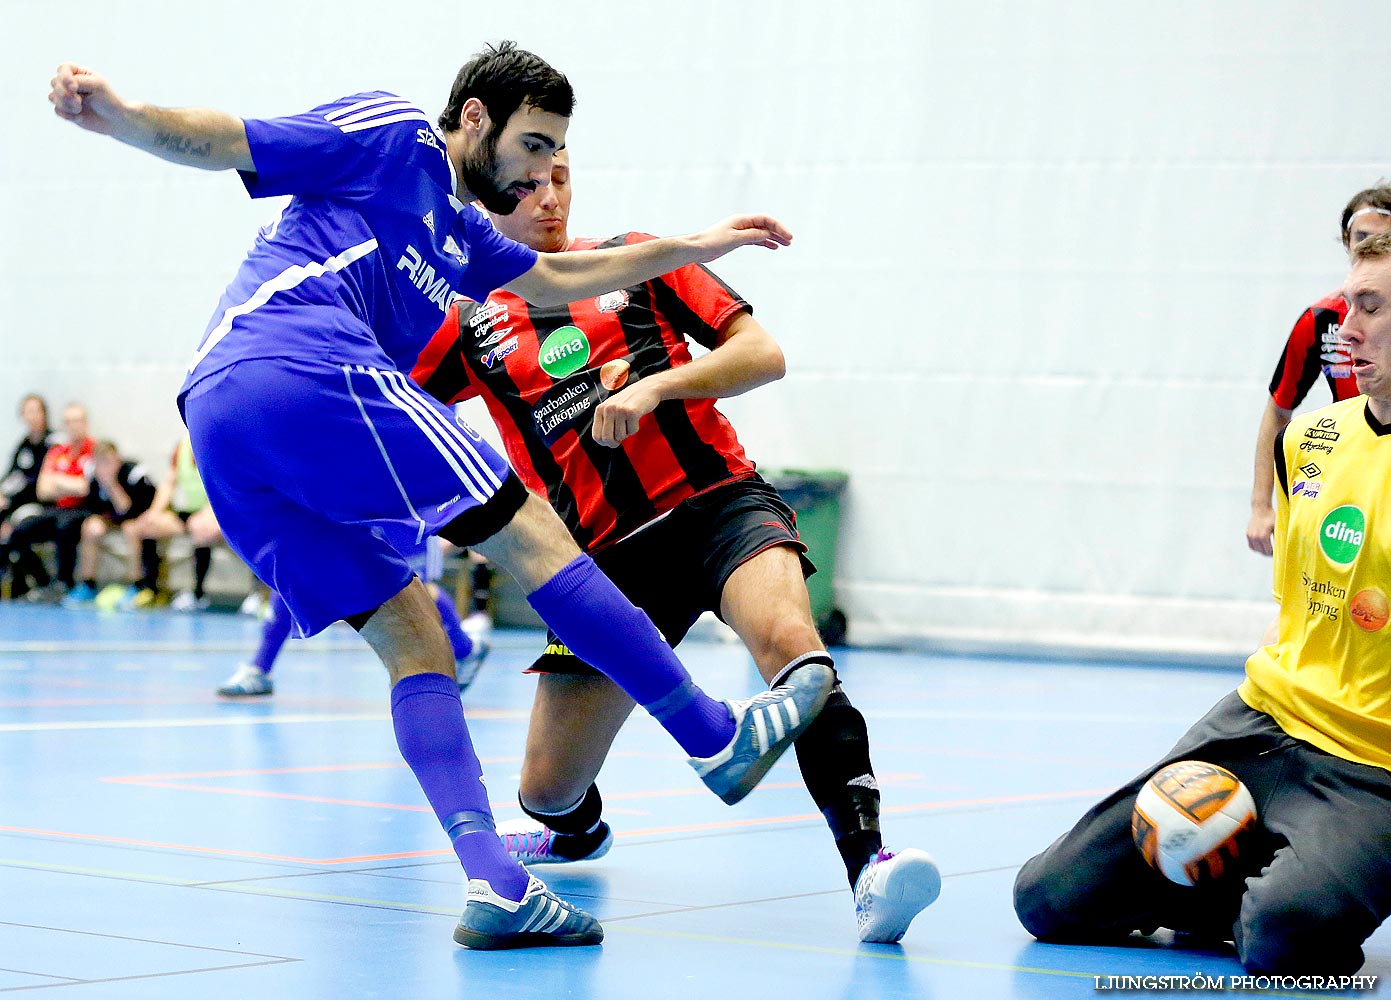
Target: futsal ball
<point>1369,609</point>
<point>1190,820</point>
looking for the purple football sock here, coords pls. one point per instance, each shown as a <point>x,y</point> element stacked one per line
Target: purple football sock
<point>274,631</point>
<point>434,740</point>
<point>601,626</point>
<point>459,641</point>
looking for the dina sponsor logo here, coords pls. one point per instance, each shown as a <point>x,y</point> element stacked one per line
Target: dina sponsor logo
<point>564,352</point>
<point>1341,534</point>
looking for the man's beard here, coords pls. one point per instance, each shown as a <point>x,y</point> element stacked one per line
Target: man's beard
<point>479,177</point>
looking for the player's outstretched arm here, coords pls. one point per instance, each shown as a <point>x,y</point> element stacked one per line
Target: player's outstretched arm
<point>195,137</point>
<point>746,357</point>
<point>558,278</point>
<point>1261,526</point>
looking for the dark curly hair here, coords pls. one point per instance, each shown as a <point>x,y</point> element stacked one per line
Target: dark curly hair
<point>504,78</point>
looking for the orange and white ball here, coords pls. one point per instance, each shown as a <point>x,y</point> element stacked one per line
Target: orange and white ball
<point>1190,821</point>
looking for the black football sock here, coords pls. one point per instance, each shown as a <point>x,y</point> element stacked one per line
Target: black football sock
<point>149,564</point>
<point>202,562</point>
<point>577,829</point>
<point>833,754</point>
<point>482,586</point>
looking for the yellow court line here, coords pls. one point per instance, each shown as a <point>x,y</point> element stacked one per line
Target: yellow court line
<point>101,872</point>
<point>893,956</point>
<point>613,924</point>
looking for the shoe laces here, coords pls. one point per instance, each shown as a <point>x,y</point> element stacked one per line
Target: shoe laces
<point>862,895</point>
<point>769,697</point>
<point>532,843</point>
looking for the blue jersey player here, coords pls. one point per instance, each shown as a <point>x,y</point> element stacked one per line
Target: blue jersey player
<point>323,461</point>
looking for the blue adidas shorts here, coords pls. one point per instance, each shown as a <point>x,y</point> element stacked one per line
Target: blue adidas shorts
<point>321,475</point>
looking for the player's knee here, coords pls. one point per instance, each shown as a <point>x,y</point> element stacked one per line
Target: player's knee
<point>781,638</point>
<point>1041,902</point>
<point>203,535</point>
<point>546,785</point>
<point>93,528</point>
<point>1296,935</point>
<point>1031,901</point>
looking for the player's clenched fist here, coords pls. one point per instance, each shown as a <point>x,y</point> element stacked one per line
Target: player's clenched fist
<point>83,97</point>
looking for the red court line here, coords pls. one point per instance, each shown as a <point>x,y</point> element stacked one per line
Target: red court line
<point>135,779</point>
<point>127,841</point>
<point>690,828</point>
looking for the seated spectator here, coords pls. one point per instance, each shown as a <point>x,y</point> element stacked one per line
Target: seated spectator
<point>62,488</point>
<point>120,492</point>
<point>180,507</point>
<point>19,498</point>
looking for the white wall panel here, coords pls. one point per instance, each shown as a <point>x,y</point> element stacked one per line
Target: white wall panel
<point>1045,258</point>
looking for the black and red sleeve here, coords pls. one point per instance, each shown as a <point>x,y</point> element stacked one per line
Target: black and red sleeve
<point>1300,365</point>
<point>440,370</point>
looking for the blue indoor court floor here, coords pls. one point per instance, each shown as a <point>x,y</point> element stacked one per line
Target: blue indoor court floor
<point>156,842</point>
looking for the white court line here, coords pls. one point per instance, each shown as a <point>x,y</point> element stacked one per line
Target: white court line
<point>270,720</point>
<point>474,715</point>
<point>35,646</point>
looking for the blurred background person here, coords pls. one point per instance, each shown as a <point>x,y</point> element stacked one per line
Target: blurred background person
<point>120,492</point>
<point>19,498</point>
<point>62,488</point>
<point>1313,348</point>
<point>180,507</point>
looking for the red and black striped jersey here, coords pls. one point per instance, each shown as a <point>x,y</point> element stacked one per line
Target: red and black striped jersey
<point>539,372</point>
<point>1314,347</point>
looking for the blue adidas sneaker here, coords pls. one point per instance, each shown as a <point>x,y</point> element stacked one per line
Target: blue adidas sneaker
<point>765,726</point>
<point>542,919</point>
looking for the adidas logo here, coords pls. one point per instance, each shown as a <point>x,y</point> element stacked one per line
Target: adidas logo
<point>771,717</point>
<point>429,220</point>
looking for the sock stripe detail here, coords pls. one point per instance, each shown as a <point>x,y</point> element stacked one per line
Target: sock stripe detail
<point>467,821</point>
<point>815,656</point>
<point>671,703</point>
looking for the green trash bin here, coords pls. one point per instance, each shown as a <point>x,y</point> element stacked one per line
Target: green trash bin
<point>815,495</point>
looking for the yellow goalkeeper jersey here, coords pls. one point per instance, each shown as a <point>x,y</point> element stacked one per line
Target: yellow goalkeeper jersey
<point>1327,677</point>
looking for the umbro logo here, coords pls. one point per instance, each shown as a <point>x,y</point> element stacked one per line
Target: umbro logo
<point>495,336</point>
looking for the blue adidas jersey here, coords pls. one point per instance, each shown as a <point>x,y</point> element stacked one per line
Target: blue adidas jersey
<point>372,249</point>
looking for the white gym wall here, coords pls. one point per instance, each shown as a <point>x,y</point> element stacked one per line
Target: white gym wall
<point>1046,253</point>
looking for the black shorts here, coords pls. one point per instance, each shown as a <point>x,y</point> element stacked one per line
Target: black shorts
<point>676,568</point>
